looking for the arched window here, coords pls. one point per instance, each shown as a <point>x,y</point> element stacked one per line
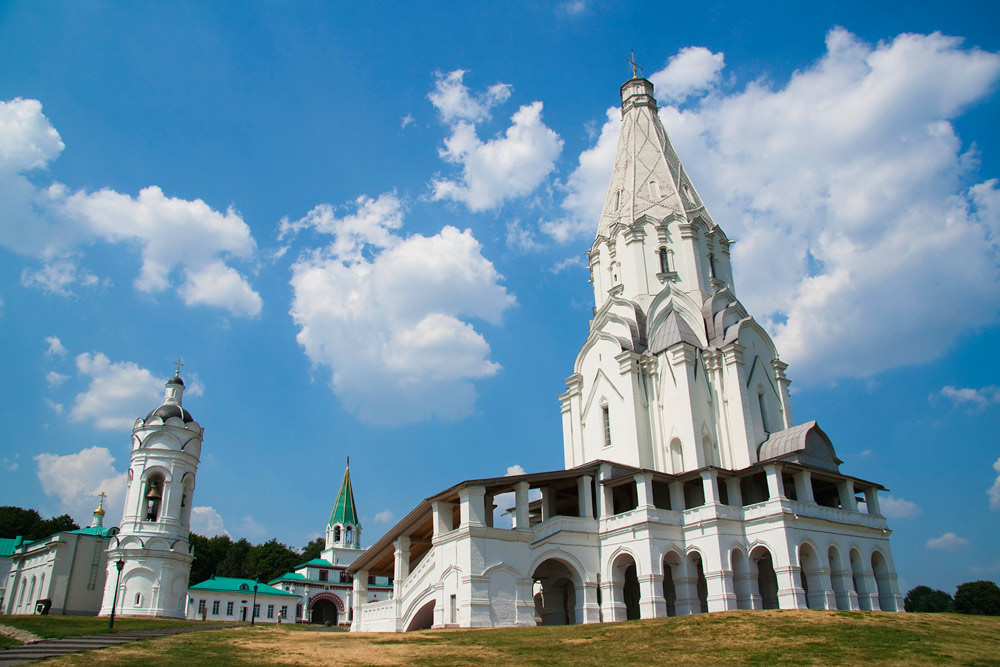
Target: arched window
<point>708,451</point>
<point>677,456</point>
<point>711,265</point>
<point>41,586</point>
<point>664,261</point>
<point>618,200</point>
<point>152,497</point>
<point>347,535</point>
<point>20,601</point>
<point>138,599</point>
<point>336,533</point>
<point>654,190</point>
<point>31,591</point>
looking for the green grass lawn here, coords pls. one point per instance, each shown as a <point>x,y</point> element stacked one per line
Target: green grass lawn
<point>49,627</point>
<point>738,638</point>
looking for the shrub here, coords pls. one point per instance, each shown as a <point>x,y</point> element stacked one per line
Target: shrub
<point>978,597</point>
<point>927,599</point>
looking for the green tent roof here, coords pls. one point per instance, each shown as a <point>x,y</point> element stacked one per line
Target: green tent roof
<point>343,511</point>
<point>232,585</point>
<point>9,544</point>
<point>315,562</point>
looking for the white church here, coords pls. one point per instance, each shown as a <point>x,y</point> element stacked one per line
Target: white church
<point>688,487</point>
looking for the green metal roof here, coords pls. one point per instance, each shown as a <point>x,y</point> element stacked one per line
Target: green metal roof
<point>9,544</point>
<point>293,576</point>
<point>315,562</point>
<point>99,531</point>
<point>232,585</point>
<point>343,511</point>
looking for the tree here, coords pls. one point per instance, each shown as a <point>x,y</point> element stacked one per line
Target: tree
<point>314,549</point>
<point>234,563</point>
<point>270,560</point>
<point>29,524</point>
<point>927,599</point>
<point>978,597</point>
<point>56,524</point>
<point>209,552</point>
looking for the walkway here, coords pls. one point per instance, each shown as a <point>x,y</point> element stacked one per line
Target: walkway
<point>50,648</point>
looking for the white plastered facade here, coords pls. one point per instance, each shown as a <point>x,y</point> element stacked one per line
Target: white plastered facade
<point>688,487</point>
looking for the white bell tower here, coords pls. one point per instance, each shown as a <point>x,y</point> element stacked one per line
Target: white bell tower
<point>152,545</point>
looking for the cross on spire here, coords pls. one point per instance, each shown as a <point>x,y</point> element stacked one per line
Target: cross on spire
<point>103,496</point>
<point>635,67</point>
<point>177,367</point>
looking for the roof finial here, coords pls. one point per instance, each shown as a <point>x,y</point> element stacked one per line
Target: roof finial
<point>635,67</point>
<point>177,367</point>
<point>348,461</point>
<point>100,506</point>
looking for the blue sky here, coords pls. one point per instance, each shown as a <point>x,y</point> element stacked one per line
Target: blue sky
<point>362,227</point>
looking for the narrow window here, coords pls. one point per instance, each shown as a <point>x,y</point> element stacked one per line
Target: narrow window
<point>229,609</point>
<point>664,261</point>
<point>201,607</point>
<point>336,533</point>
<point>256,611</point>
<point>270,611</point>
<point>654,190</point>
<point>606,415</point>
<point>454,609</point>
<point>765,422</point>
<point>711,265</point>
<point>284,611</point>
<point>618,200</point>
<point>215,607</point>
<point>138,600</point>
<point>347,536</point>
<point>322,575</point>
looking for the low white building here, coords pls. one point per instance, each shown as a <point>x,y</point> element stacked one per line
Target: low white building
<point>323,587</point>
<point>234,599</point>
<point>66,569</point>
<point>688,487</point>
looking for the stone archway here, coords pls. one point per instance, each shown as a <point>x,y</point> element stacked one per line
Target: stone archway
<point>555,593</point>
<point>326,608</point>
<point>625,580</point>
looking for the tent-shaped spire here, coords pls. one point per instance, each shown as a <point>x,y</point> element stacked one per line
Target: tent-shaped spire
<point>648,178</point>
<point>343,511</point>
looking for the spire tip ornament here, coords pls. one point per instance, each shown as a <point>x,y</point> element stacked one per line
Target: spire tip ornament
<point>635,67</point>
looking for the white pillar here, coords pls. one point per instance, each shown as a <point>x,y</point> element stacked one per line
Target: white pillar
<point>546,503</point>
<point>710,485</point>
<point>360,590</point>
<point>651,601</point>
<point>644,489</point>
<point>471,505</point>
<point>585,493</point>
<point>677,496</point>
<point>871,499</point>
<point>401,569</point>
<point>775,485</point>
<point>721,595</point>
<point>734,492</point>
<point>521,519</point>
<point>847,498</point>
<point>803,486</point>
<point>443,513</point>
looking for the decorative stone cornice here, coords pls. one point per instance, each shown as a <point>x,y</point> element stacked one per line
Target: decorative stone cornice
<point>634,234</point>
<point>733,354</point>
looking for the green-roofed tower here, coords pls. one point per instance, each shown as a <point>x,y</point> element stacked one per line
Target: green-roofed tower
<point>344,530</point>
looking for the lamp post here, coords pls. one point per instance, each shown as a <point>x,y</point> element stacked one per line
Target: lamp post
<point>120,563</point>
<point>253,607</point>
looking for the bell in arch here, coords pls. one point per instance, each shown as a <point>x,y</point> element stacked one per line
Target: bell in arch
<point>154,492</point>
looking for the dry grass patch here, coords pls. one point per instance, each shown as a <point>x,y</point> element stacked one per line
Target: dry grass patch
<point>737,638</point>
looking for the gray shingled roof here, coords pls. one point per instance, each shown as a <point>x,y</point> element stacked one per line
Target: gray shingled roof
<point>674,330</point>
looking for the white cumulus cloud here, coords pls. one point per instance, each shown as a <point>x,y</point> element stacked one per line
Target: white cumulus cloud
<point>898,508</point>
<point>74,480</point>
<point>392,323</point>
<point>207,522</point>
<point>967,397</point>
<point>994,491</point>
<point>54,379</point>
<point>514,470</point>
<point>385,516</point>
<point>56,348</point>
<point>849,183</point>
<point>509,165</point>
<point>118,392</point>
<point>947,542</point>
<point>694,69</point>
<point>183,244</point>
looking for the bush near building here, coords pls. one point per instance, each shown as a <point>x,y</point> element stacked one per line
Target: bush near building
<point>928,600</point>
<point>978,597</point>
